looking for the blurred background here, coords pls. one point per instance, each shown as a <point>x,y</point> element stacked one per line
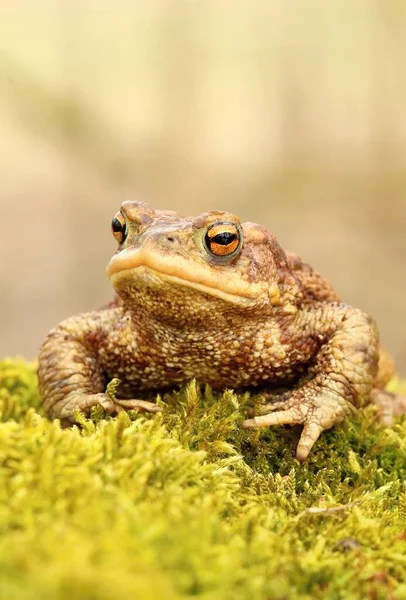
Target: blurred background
<point>288,113</point>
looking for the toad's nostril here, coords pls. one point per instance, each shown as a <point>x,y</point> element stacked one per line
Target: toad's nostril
<point>170,239</point>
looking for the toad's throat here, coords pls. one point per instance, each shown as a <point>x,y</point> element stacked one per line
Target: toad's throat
<point>153,270</point>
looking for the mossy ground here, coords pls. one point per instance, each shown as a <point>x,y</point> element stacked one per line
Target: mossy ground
<point>186,504</point>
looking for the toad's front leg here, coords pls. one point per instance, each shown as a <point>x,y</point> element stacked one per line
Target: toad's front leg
<point>70,373</point>
<point>343,374</point>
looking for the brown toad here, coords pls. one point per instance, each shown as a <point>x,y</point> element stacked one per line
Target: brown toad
<point>220,301</point>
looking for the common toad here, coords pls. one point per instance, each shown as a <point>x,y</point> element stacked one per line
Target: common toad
<point>220,301</point>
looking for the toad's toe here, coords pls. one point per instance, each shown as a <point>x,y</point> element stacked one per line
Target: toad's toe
<point>115,405</point>
<point>290,416</point>
<point>315,412</point>
<point>310,434</point>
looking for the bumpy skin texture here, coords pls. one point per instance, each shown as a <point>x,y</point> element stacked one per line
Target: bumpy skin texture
<point>252,316</point>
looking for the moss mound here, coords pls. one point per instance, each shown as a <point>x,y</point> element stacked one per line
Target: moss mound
<point>186,504</point>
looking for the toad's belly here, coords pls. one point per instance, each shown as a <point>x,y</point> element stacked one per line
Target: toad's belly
<point>224,359</point>
<point>231,372</point>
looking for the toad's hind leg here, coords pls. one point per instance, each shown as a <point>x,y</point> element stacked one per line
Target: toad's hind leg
<point>386,368</point>
<point>389,404</point>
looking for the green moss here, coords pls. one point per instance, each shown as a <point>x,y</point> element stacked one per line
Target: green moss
<point>187,504</point>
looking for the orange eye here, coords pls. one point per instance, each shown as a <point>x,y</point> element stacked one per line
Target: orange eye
<point>223,239</point>
<point>119,227</point>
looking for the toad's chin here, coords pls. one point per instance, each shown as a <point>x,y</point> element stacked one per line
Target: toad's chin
<point>142,278</point>
<point>136,268</point>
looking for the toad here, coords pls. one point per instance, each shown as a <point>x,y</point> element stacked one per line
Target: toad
<point>219,301</point>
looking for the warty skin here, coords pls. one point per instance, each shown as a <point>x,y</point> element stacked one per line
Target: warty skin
<point>219,301</point>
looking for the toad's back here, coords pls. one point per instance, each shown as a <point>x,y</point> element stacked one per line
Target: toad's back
<point>213,299</point>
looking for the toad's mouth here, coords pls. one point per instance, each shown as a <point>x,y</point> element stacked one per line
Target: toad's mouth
<point>154,271</point>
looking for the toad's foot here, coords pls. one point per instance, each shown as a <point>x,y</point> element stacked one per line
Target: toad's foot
<point>114,405</point>
<point>111,404</point>
<point>389,405</point>
<point>85,402</point>
<point>343,374</point>
<point>316,412</point>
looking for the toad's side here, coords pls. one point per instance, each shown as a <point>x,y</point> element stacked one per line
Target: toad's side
<point>220,301</point>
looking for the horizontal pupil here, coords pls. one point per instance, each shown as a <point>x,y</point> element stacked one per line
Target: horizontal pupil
<point>117,226</point>
<point>223,239</point>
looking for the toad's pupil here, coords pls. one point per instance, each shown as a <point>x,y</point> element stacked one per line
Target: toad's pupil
<point>223,239</point>
<point>117,226</point>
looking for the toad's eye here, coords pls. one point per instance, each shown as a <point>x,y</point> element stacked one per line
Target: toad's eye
<point>223,239</point>
<point>119,227</point>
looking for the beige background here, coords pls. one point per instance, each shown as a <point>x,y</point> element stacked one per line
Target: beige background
<point>286,112</point>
